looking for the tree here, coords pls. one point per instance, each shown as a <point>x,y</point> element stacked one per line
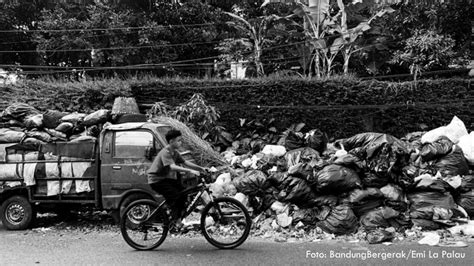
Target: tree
<point>425,50</point>
<point>257,33</point>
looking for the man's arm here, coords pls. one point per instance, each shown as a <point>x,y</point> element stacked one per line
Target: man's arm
<point>194,166</point>
<point>178,168</point>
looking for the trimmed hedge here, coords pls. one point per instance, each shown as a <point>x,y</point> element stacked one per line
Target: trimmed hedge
<point>341,108</point>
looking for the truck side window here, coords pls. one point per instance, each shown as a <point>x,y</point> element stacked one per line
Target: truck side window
<point>132,144</point>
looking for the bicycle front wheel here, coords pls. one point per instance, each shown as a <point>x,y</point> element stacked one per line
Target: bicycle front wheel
<point>225,223</point>
<point>144,224</point>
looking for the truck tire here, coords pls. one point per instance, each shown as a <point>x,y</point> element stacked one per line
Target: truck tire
<point>17,213</point>
<point>129,199</point>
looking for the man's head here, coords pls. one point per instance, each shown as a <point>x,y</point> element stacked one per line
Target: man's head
<point>174,138</point>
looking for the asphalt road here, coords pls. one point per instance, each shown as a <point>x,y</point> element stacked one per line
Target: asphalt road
<point>57,247</point>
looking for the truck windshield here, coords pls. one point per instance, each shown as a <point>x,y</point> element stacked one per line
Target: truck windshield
<point>132,144</point>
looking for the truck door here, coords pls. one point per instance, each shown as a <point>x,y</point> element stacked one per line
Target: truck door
<point>124,164</point>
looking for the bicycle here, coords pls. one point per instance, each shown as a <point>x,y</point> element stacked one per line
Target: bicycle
<point>222,219</point>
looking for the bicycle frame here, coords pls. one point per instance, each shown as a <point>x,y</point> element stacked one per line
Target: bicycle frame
<point>202,189</point>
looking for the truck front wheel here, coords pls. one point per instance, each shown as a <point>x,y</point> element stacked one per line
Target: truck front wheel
<point>17,213</point>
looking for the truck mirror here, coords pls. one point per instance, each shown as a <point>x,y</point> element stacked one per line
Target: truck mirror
<point>150,152</point>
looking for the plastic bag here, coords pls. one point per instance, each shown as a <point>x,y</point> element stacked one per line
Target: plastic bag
<point>251,183</point>
<point>292,140</point>
<point>317,140</point>
<point>73,118</point>
<point>424,204</point>
<point>311,216</point>
<point>295,190</point>
<point>466,143</point>
<point>64,127</point>
<point>18,111</point>
<point>97,117</point>
<point>40,135</point>
<point>351,161</point>
<point>51,118</point>
<point>10,136</point>
<point>301,155</point>
<point>467,183</point>
<point>33,121</point>
<point>336,179</point>
<point>454,131</point>
<point>393,192</point>
<point>362,201</point>
<point>382,217</point>
<point>453,164</point>
<point>436,149</point>
<point>341,220</point>
<point>379,236</point>
<point>274,150</point>
<point>466,200</point>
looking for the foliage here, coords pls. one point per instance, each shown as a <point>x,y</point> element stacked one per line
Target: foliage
<point>426,50</point>
<point>256,34</point>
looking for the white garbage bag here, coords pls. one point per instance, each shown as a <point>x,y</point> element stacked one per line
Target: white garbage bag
<point>454,131</point>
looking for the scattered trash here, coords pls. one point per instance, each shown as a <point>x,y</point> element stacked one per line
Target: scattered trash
<point>430,238</point>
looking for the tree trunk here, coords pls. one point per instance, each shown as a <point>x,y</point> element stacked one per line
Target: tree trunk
<point>347,57</point>
<point>258,63</point>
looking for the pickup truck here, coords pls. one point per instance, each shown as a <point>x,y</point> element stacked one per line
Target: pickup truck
<point>104,173</point>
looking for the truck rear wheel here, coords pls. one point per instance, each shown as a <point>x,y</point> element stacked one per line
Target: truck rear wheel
<point>17,213</point>
<point>130,199</point>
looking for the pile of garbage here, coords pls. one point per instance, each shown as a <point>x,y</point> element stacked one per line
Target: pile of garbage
<point>370,182</point>
<point>23,123</point>
<point>23,129</point>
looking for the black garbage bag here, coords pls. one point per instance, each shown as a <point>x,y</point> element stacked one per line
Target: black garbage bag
<point>323,200</point>
<point>276,179</point>
<point>311,216</point>
<point>365,200</point>
<point>467,184</point>
<point>251,183</point>
<point>351,161</point>
<point>453,164</point>
<point>437,149</point>
<point>340,221</point>
<point>297,191</point>
<point>381,217</point>
<point>371,179</point>
<point>292,140</point>
<point>379,236</point>
<point>18,111</point>
<point>301,170</point>
<point>429,183</point>
<point>430,205</point>
<point>302,155</point>
<point>384,154</point>
<point>263,201</point>
<point>372,142</point>
<point>317,140</point>
<point>466,200</point>
<point>426,224</point>
<point>336,179</point>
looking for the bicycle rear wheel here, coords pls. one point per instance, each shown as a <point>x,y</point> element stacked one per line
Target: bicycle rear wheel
<point>139,229</point>
<point>225,223</point>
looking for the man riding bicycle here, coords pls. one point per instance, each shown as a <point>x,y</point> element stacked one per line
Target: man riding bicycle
<point>164,172</point>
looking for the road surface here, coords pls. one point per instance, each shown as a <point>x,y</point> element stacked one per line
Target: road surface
<point>46,246</point>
